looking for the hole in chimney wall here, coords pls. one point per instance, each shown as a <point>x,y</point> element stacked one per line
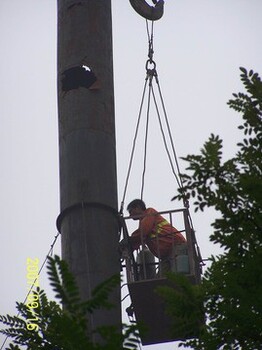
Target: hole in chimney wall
<point>75,77</point>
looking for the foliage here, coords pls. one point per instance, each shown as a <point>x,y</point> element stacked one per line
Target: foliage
<point>57,328</point>
<point>232,286</point>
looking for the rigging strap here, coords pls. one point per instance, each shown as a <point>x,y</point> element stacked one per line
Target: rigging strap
<point>151,78</point>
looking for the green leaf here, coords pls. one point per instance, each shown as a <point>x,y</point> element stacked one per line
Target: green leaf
<point>232,285</point>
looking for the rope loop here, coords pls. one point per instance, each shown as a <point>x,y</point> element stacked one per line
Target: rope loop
<point>151,68</point>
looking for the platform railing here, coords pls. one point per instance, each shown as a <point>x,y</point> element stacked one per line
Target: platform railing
<point>185,258</point>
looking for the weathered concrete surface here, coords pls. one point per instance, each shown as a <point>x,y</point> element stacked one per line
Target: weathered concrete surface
<point>87,149</point>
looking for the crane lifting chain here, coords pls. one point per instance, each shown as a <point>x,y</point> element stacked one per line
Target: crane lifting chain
<point>152,13</point>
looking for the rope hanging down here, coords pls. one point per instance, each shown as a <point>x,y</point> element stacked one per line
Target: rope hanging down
<point>151,78</point>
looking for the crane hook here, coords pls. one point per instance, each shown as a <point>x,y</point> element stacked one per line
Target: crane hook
<point>152,13</point>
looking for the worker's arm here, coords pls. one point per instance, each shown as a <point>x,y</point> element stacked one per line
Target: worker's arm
<point>135,239</point>
<point>146,226</point>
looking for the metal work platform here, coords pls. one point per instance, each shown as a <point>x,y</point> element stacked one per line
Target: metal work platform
<point>145,274</point>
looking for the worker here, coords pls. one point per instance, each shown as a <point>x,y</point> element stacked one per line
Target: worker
<point>155,232</point>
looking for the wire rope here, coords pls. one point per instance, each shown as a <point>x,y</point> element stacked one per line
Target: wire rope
<point>133,146</point>
<point>127,295</point>
<point>165,141</point>
<point>169,130</point>
<point>146,138</point>
<point>150,37</point>
<point>151,74</point>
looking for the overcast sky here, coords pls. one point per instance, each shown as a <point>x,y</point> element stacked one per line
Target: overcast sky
<point>199,47</point>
